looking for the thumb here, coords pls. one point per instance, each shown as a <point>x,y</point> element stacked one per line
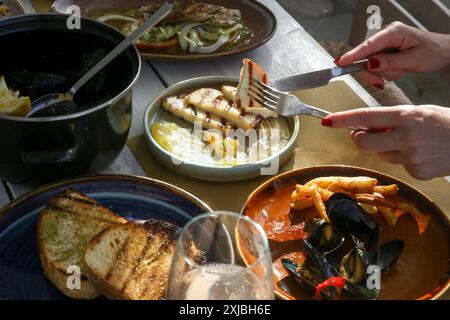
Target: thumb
<point>401,61</point>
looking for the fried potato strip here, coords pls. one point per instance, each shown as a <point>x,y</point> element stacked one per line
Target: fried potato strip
<point>372,197</point>
<point>349,183</point>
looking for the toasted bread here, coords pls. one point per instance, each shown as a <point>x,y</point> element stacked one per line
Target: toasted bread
<point>132,261</point>
<point>65,227</point>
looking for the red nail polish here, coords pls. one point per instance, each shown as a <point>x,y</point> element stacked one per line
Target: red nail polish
<point>379,86</point>
<point>374,63</point>
<point>337,59</point>
<point>327,122</point>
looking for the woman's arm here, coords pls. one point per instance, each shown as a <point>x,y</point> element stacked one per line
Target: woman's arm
<point>417,137</point>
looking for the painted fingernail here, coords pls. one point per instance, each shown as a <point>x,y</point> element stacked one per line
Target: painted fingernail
<point>337,59</point>
<point>327,122</point>
<point>374,63</point>
<point>379,86</point>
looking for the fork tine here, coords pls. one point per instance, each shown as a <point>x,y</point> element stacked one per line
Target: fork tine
<point>266,87</point>
<point>264,92</point>
<point>263,97</point>
<point>265,105</point>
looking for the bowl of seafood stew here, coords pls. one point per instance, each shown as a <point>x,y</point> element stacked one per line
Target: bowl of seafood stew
<point>328,225</point>
<point>87,134</point>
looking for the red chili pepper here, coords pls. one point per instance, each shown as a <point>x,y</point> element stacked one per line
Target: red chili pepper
<point>337,282</point>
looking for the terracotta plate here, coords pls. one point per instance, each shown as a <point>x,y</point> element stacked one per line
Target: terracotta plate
<point>423,269</point>
<point>255,15</point>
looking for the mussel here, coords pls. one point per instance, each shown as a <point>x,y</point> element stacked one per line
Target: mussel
<point>349,217</point>
<point>354,265</point>
<point>38,84</point>
<point>390,252</point>
<point>324,261</point>
<point>325,237</point>
<point>57,109</point>
<point>314,270</point>
<point>97,84</point>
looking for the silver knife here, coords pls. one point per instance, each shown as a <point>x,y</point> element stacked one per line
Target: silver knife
<point>317,78</point>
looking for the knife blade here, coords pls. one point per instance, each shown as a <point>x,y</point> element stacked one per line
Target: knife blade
<point>316,78</point>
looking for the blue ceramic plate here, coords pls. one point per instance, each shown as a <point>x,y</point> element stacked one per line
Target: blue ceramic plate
<point>21,275</point>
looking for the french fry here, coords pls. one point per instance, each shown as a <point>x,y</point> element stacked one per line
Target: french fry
<point>369,208</point>
<point>386,190</point>
<point>325,194</point>
<point>302,204</point>
<point>422,219</point>
<point>318,203</point>
<point>348,183</point>
<point>335,188</point>
<point>389,215</point>
<point>364,190</point>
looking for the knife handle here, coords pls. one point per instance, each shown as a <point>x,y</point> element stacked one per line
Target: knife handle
<point>353,68</point>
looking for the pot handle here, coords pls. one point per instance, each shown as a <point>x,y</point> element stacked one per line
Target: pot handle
<point>50,157</point>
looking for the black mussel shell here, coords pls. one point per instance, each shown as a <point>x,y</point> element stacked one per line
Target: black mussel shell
<point>314,270</point>
<point>346,215</point>
<point>389,254</point>
<point>307,276</point>
<point>326,238</point>
<point>57,109</point>
<point>318,260</point>
<point>354,265</point>
<point>20,77</point>
<point>45,83</point>
<point>96,84</point>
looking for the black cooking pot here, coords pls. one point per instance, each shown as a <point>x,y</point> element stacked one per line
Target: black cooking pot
<point>65,145</point>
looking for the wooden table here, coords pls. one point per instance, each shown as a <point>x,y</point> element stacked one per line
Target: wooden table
<point>291,51</point>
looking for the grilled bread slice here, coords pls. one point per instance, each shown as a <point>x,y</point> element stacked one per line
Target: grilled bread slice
<point>65,227</point>
<point>132,261</point>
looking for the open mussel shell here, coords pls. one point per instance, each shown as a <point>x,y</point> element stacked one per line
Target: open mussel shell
<point>314,270</point>
<point>326,238</point>
<point>389,253</point>
<point>349,217</point>
<point>354,265</point>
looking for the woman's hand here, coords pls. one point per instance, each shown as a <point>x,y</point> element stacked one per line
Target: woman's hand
<point>418,136</point>
<point>415,51</point>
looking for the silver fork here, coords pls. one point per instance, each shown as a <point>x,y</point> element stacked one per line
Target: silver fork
<point>288,105</point>
<point>282,103</point>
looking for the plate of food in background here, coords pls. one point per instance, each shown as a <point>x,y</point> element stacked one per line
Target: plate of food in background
<point>332,228</point>
<point>211,128</point>
<point>104,228</point>
<point>195,30</point>
<point>10,8</point>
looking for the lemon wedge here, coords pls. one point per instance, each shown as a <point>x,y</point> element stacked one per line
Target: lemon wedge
<point>10,102</point>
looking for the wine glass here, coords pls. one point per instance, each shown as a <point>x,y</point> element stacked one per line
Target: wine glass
<point>221,256</point>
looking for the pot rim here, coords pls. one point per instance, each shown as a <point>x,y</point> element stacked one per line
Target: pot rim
<point>86,112</point>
